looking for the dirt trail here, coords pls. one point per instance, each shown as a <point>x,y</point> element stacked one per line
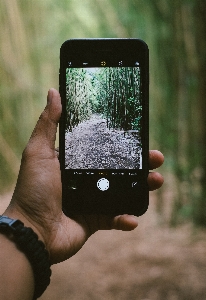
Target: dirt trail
<point>92,145</point>
<point>151,263</point>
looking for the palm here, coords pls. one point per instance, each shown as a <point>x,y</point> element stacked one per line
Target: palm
<point>37,199</point>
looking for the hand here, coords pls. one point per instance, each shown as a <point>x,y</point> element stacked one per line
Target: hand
<point>37,197</point>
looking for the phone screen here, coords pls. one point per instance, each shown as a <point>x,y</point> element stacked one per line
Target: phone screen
<point>103,118</point>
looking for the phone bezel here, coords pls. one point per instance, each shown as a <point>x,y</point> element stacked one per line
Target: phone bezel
<point>81,49</point>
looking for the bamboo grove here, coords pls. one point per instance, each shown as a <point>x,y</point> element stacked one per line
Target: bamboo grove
<point>31,35</point>
<point>115,93</point>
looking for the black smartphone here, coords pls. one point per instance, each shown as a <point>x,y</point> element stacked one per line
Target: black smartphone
<point>104,127</point>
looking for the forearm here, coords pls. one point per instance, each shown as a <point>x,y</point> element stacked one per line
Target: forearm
<point>16,280</point>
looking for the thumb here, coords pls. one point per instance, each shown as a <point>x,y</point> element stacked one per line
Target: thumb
<point>44,133</point>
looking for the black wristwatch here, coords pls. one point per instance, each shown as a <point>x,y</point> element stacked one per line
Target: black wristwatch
<point>27,241</point>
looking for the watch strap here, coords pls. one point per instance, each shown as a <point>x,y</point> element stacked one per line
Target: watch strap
<point>27,241</point>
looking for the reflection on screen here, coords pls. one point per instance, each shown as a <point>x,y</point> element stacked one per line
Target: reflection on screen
<point>104,118</point>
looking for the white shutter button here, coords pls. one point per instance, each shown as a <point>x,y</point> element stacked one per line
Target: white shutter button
<point>103,184</point>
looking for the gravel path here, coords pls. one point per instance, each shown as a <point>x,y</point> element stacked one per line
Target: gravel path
<point>91,145</point>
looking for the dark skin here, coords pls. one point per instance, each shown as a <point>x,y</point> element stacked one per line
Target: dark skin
<point>37,197</point>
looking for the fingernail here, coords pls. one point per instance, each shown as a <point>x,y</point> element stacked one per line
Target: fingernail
<point>49,96</point>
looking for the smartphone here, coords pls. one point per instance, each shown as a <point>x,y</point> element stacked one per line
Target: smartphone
<point>104,127</point>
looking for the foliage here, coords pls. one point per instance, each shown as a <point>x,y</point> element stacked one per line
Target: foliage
<point>115,93</point>
<point>78,87</point>
<point>121,102</point>
<point>180,60</point>
<point>31,33</point>
<point>20,82</point>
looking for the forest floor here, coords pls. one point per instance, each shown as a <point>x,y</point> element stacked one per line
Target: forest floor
<point>153,262</point>
<point>92,145</point>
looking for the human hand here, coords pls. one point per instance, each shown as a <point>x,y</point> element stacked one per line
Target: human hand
<point>37,199</point>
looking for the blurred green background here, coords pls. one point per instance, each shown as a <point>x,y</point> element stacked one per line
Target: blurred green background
<point>31,33</point>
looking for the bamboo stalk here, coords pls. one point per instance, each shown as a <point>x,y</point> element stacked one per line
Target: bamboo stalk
<point>9,155</point>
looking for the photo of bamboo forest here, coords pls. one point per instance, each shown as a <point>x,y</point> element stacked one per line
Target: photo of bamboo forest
<point>103,121</point>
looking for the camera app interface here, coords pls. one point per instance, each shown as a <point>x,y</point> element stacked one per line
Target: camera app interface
<point>103,118</point>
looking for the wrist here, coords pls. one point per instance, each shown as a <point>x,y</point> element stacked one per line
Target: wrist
<point>16,214</point>
<point>16,270</point>
<point>27,241</point>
